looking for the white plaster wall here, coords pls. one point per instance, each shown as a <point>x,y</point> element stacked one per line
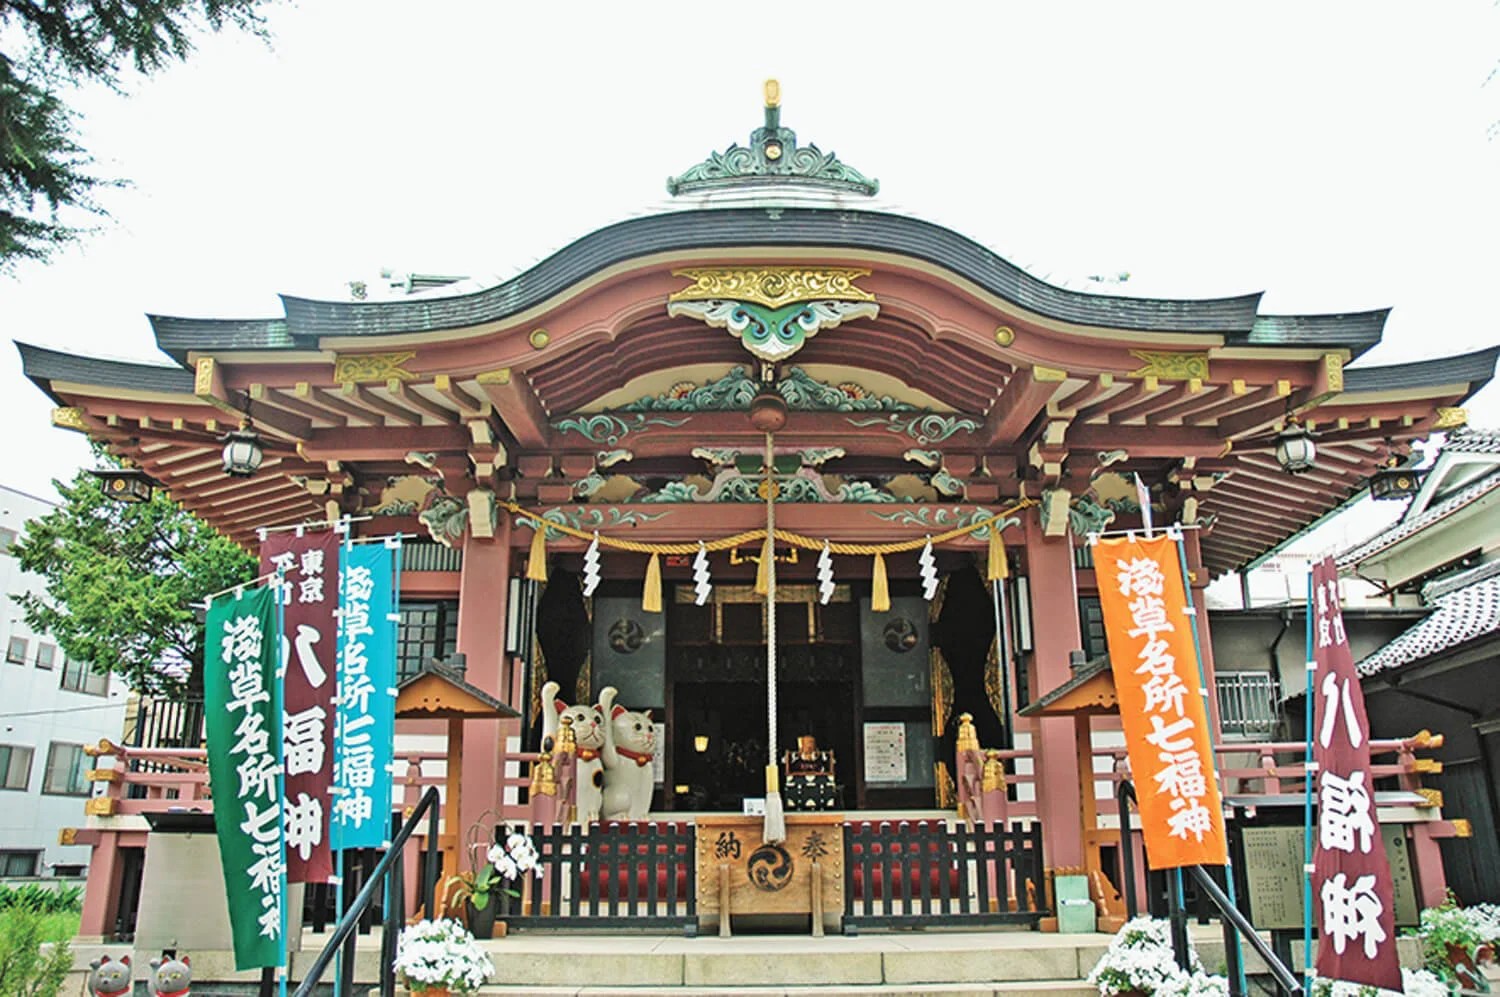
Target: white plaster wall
<point>35,711</point>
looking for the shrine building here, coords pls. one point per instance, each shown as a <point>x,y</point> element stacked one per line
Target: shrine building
<point>925,385</point>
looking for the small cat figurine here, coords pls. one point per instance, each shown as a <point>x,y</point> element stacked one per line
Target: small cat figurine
<point>629,751</point>
<point>108,978</point>
<point>171,977</point>
<point>588,732</point>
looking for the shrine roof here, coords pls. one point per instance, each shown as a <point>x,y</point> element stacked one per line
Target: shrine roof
<point>44,366</point>
<point>1467,609</point>
<point>1474,368</point>
<point>1053,702</point>
<point>1428,517</point>
<point>1471,440</point>
<point>307,319</point>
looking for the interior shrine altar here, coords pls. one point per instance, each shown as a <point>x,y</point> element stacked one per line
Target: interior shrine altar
<point>774,461</point>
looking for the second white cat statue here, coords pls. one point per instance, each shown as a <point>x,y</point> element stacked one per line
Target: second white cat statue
<point>629,753</point>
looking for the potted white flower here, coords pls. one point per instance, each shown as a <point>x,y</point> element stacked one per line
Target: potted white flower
<point>486,890</point>
<point>438,958</point>
<point>1139,961</point>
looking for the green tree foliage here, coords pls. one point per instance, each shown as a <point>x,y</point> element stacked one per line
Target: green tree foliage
<point>46,46</point>
<point>25,971</point>
<point>121,580</point>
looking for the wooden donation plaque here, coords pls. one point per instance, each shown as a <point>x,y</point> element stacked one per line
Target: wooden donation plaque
<point>737,866</point>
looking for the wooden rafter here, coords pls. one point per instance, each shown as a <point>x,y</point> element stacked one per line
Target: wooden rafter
<point>1150,406</point>
<point>518,406</point>
<point>1024,398</point>
<point>407,394</point>
<point>1135,391</point>
<point>1212,394</point>
<point>1230,405</point>
<point>358,394</point>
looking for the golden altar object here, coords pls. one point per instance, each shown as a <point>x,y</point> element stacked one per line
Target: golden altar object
<point>739,874</point>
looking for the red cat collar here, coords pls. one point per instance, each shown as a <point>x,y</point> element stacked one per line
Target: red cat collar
<point>584,755</point>
<point>184,992</point>
<point>641,758</point>
<point>111,993</point>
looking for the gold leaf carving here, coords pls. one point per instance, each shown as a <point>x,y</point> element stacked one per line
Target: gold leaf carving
<point>1451,418</point>
<point>772,286</point>
<point>203,377</point>
<point>371,368</point>
<point>69,418</point>
<point>1171,365</point>
<point>1334,364</point>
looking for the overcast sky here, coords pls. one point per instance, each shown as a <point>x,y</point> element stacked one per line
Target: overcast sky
<point>1333,155</point>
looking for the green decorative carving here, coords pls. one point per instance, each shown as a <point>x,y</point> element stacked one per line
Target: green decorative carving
<point>946,484</point>
<point>818,456</point>
<point>734,391</point>
<point>772,157</point>
<point>924,427</point>
<point>1086,516</point>
<point>608,428</point>
<point>731,486</point>
<point>773,334</point>
<point>596,517</point>
<point>938,518</point>
<point>446,518</point>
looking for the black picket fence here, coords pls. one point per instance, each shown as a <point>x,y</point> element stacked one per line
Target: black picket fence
<point>626,874</point>
<point>911,873</point>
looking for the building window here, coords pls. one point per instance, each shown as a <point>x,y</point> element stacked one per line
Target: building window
<point>1091,627</point>
<point>67,770</point>
<point>428,630</point>
<point>45,654</point>
<point>15,766</point>
<point>7,537</point>
<point>15,651</point>
<point>1248,703</point>
<point>19,864</point>
<point>78,676</point>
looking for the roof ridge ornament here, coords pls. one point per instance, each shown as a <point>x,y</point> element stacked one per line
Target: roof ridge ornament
<point>772,157</point>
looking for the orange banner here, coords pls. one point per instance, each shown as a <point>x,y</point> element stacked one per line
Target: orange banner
<point>1155,664</point>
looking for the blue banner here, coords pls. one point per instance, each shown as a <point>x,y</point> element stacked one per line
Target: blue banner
<point>367,697</point>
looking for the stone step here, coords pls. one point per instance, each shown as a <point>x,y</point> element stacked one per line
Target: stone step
<point>1042,988</point>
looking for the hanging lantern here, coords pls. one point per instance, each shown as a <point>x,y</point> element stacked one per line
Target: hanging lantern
<point>242,452</point>
<point>127,485</point>
<point>1295,451</point>
<point>1394,482</point>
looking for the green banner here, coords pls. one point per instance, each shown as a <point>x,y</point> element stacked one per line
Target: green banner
<point>243,699</point>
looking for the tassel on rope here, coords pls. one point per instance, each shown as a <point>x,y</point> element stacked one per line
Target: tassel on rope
<point>536,564</point>
<point>763,570</point>
<point>774,828</point>
<point>997,570</point>
<point>880,587</point>
<point>651,594</point>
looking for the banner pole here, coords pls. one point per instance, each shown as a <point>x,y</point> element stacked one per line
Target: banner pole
<point>1213,742</point>
<point>335,821</point>
<point>1308,971</point>
<point>280,587</point>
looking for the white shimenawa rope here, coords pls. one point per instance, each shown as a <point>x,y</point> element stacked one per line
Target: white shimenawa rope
<point>774,829</point>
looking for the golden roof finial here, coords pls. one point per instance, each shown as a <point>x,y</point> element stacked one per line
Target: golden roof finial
<point>773,93</point>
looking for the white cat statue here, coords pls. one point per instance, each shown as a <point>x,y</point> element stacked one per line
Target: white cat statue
<point>589,732</point>
<point>629,753</point>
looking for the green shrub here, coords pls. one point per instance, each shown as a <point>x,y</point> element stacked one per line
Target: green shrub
<point>42,899</point>
<point>24,970</point>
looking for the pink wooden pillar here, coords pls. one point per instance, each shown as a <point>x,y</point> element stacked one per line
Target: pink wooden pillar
<point>1055,633</point>
<point>1198,577</point>
<point>482,590</point>
<point>101,891</point>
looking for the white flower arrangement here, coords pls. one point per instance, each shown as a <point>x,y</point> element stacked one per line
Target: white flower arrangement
<point>1414,983</point>
<point>441,954</point>
<point>1140,958</point>
<point>515,858</point>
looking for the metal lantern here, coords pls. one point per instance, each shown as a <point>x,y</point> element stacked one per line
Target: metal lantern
<point>1295,451</point>
<point>1393,482</point>
<point>126,485</point>
<point>242,452</point>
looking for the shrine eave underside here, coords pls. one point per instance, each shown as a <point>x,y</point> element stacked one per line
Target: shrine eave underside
<point>947,380</point>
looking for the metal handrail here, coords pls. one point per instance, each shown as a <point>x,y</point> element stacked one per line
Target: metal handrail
<point>394,913</point>
<point>1230,915</point>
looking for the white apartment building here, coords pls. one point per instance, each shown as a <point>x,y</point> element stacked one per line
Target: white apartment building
<point>50,708</point>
